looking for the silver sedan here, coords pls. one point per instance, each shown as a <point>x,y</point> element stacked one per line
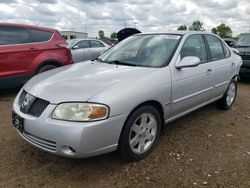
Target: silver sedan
<point>86,49</point>
<point>122,100</point>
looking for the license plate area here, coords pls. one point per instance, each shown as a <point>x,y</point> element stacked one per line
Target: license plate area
<point>18,122</point>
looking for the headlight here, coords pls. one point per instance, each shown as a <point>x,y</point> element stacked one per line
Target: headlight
<point>80,112</point>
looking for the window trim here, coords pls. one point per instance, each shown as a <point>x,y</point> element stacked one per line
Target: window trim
<point>30,37</point>
<point>207,61</point>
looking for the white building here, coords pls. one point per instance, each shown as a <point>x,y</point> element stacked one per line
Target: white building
<point>73,35</point>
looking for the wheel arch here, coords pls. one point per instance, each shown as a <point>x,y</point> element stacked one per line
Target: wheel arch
<point>49,62</point>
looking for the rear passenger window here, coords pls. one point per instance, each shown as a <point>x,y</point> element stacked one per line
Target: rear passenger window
<point>40,36</point>
<point>194,46</point>
<point>215,47</point>
<point>96,44</point>
<point>13,35</point>
<point>226,51</point>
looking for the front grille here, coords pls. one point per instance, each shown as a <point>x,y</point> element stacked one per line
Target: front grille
<point>38,107</point>
<point>245,57</point>
<point>32,105</point>
<point>43,143</point>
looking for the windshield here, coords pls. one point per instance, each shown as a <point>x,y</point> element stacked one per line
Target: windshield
<point>142,50</point>
<point>244,41</point>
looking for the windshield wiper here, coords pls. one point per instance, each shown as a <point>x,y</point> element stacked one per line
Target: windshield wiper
<point>117,62</point>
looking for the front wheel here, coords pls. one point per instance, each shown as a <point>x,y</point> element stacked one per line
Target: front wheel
<point>140,134</point>
<point>228,99</point>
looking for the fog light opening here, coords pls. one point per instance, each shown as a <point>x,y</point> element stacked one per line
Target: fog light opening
<point>68,150</point>
<point>72,149</point>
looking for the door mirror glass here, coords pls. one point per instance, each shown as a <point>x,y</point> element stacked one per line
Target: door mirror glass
<point>189,61</point>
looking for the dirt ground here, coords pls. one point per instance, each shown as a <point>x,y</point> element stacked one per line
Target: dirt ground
<point>208,148</point>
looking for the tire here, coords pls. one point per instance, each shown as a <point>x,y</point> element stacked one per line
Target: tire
<point>138,139</point>
<point>46,68</point>
<point>228,99</point>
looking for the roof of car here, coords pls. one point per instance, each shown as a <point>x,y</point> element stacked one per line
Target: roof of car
<point>175,32</point>
<point>84,39</point>
<point>27,26</point>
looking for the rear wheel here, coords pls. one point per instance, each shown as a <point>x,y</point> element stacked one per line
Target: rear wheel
<point>46,68</point>
<point>228,99</point>
<point>140,134</point>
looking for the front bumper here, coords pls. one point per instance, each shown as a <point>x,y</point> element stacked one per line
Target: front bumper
<point>71,139</point>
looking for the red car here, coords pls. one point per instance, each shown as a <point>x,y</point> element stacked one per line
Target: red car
<point>28,50</point>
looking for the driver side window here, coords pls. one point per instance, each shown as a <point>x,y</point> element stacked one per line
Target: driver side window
<point>194,46</point>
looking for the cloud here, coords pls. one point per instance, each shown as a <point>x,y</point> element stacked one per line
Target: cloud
<point>113,15</point>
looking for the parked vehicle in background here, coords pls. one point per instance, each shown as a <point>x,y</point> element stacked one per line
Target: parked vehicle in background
<point>243,46</point>
<point>86,49</point>
<point>28,50</point>
<point>122,100</point>
<point>230,42</point>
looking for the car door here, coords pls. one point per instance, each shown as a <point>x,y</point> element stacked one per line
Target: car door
<point>223,65</point>
<point>96,48</point>
<point>81,51</point>
<point>15,51</point>
<point>191,87</point>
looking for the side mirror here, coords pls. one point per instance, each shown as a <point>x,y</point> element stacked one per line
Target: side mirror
<point>75,47</point>
<point>188,61</point>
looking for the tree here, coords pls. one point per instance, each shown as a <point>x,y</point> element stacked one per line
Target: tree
<point>182,28</point>
<point>113,35</point>
<point>197,26</point>
<point>214,30</point>
<point>223,31</point>
<point>101,34</point>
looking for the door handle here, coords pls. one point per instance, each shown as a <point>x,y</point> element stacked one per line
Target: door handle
<point>233,63</point>
<point>209,70</point>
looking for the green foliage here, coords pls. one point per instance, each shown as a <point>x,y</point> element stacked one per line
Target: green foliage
<point>113,35</point>
<point>223,31</point>
<point>182,28</point>
<point>101,34</point>
<point>197,26</point>
<point>214,30</point>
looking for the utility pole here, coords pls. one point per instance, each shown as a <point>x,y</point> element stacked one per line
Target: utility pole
<point>86,23</point>
<point>135,24</point>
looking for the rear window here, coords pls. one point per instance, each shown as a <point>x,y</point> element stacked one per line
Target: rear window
<point>13,35</point>
<point>39,36</point>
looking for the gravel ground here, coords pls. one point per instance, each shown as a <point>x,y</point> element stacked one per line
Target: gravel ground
<point>208,148</point>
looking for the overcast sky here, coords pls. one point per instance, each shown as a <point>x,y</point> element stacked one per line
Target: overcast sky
<point>112,15</point>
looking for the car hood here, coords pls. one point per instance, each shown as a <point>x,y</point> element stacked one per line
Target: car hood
<point>243,49</point>
<point>80,82</point>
